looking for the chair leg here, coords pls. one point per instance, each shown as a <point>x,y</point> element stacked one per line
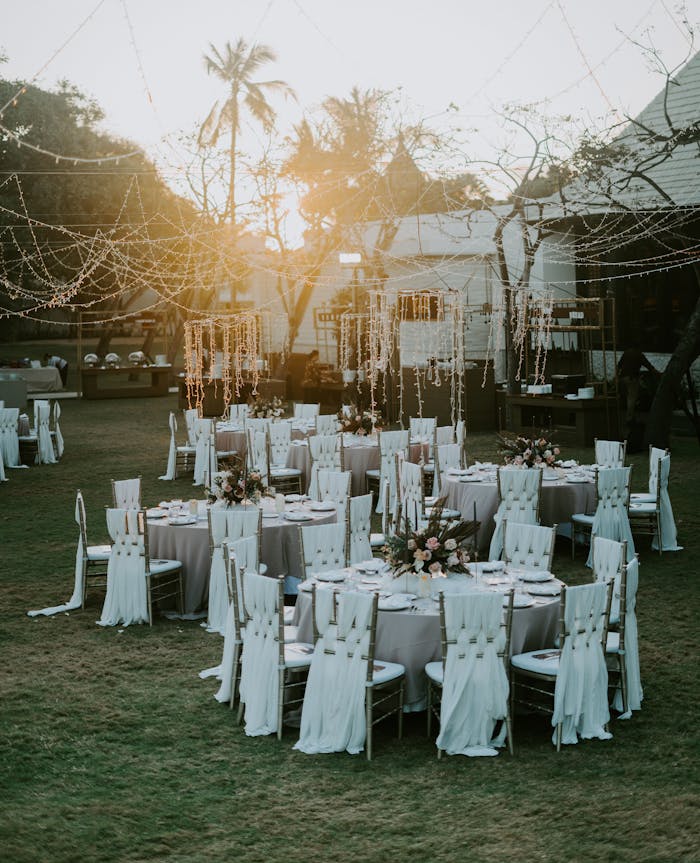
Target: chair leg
<point>239,715</point>
<point>368,720</point>
<point>623,681</point>
<point>150,601</point>
<point>401,698</point>
<point>180,594</point>
<point>84,591</point>
<point>280,704</point>
<point>559,733</point>
<point>429,723</point>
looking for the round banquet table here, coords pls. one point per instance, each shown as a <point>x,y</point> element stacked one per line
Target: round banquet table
<point>189,544</point>
<point>413,638</point>
<point>559,500</point>
<point>360,454</point>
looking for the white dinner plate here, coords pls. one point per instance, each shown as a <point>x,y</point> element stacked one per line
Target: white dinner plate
<point>293,498</point>
<point>576,479</point>
<point>270,514</point>
<point>535,576</point>
<point>298,516</point>
<point>331,575</point>
<point>183,519</point>
<point>453,471</point>
<point>322,506</point>
<point>546,589</point>
<point>373,565</point>
<point>156,512</point>
<point>520,600</point>
<point>486,566</point>
<point>470,478</point>
<point>398,602</point>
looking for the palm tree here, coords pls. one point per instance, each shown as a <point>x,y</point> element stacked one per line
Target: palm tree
<point>236,66</point>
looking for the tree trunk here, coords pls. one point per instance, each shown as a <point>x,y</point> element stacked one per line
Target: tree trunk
<point>665,399</point>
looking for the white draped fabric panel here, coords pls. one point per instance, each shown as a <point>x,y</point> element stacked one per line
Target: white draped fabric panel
<point>333,485</point>
<point>581,690</point>
<point>306,411</point>
<point>76,599</point>
<point>609,453</point>
<point>3,478</point>
<point>475,686</point>
<point>191,415</point>
<point>244,554</point>
<point>172,451</point>
<point>9,440</point>
<point>42,417</point>
<point>333,716</point>
<point>127,493</point>
<point>520,489</point>
<point>411,491</point>
<point>226,525</point>
<point>202,435</point>
<point>360,526</point>
<point>390,443</point>
<point>60,445</point>
<point>260,659</point>
<point>607,566</point>
<point>257,447</point>
<point>527,545</point>
<point>611,520</point>
<point>326,424</point>
<point>325,454</point>
<point>239,411</point>
<point>669,536</point>
<point>280,439</point>
<point>449,455</point>
<point>635,693</point>
<point>126,601</point>
<point>324,547</point>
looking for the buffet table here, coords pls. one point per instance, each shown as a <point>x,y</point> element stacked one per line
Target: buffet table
<point>47,379</point>
<point>117,383</point>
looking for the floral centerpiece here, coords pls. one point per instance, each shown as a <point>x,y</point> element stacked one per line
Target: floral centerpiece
<point>529,452</point>
<point>431,551</point>
<point>236,484</point>
<point>262,408</point>
<point>355,421</point>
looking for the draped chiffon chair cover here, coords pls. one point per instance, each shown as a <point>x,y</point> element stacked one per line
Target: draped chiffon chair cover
<point>238,412</point>
<point>475,684</point>
<point>280,435</point>
<point>126,493</point>
<point>241,556</point>
<point>611,520</point>
<point>259,456</point>
<point>610,453</point>
<point>448,456</point>
<point>323,547</point>
<point>42,415</point>
<point>172,449</point>
<point>82,553</point>
<point>225,526</point>
<point>423,429</point>
<point>359,528</point>
<point>58,437</point>
<point>333,715</point>
<point>9,439</point>
<point>126,601</point>
<point>410,491</point>
<point>519,498</point>
<point>324,451</point>
<point>669,535</point>
<point>390,443</point>
<point>191,415</point>
<point>326,424</point>
<point>334,485</point>
<point>203,429</point>
<point>649,496</point>
<point>581,689</point>
<point>529,546</point>
<point>305,410</point>
<point>608,563</point>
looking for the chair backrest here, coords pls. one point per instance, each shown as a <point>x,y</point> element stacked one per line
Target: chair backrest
<point>259,454</point>
<point>128,567</point>
<point>38,405</point>
<point>323,547</point>
<point>519,494</point>
<point>359,519</point>
<point>9,439</point>
<point>448,456</point>
<point>655,456</point>
<point>238,411</point>
<point>280,435</point>
<point>334,485</point>
<point>324,451</point>
<point>584,617</point>
<point>387,520</point>
<point>326,424</point>
<point>126,493</point>
<point>610,453</point>
<point>422,427</point>
<point>410,490</point>
<point>391,443</point>
<point>608,558</point>
<point>82,520</point>
<point>475,622</point>
<point>306,411</point>
<point>611,519</point>
<point>529,546</point>
<point>42,417</point>
<point>256,424</point>
<point>60,446</point>
<point>444,435</point>
<point>347,622</point>
<point>190,416</point>
<point>229,525</point>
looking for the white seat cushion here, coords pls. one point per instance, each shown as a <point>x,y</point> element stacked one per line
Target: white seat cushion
<point>377,540</point>
<point>298,654</point>
<point>374,474</point>
<point>643,497</point>
<point>290,634</point>
<point>544,661</point>
<point>429,468</point>
<point>285,471</point>
<point>98,552</point>
<point>159,566</point>
<point>446,512</point>
<point>383,672</point>
<point>582,518</point>
<point>643,509</point>
<point>434,671</point>
<point>613,643</point>
<point>187,449</point>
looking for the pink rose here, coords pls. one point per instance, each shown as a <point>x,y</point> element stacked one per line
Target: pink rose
<point>432,543</point>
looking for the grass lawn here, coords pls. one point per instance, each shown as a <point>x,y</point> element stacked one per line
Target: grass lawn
<point>114,750</point>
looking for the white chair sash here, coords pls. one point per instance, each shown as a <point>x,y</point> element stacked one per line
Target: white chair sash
<point>607,566</point>
<point>360,527</point>
<point>326,424</point>
<point>306,411</point>
<point>323,547</point>
<point>609,453</point>
<point>527,545</point>
<point>390,443</point>
<point>42,416</point>
<point>257,448</point>
<point>259,663</point>
<point>520,490</point>
<point>475,686</point>
<point>325,455</point>
<point>191,415</point>
<point>202,434</point>
<point>76,599</point>
<point>172,451</point>
<point>60,445</point>
<point>333,714</point>
<point>611,520</point>
<point>238,412</point>
<point>280,438</point>
<point>635,693</point>
<point>126,601</point>
<point>9,439</point>
<point>226,526</point>
<point>333,484</point>
<point>581,690</point>
<point>669,536</point>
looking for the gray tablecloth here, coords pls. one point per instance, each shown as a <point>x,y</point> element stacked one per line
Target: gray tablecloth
<point>559,501</point>
<point>414,639</point>
<point>43,380</point>
<point>190,544</point>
